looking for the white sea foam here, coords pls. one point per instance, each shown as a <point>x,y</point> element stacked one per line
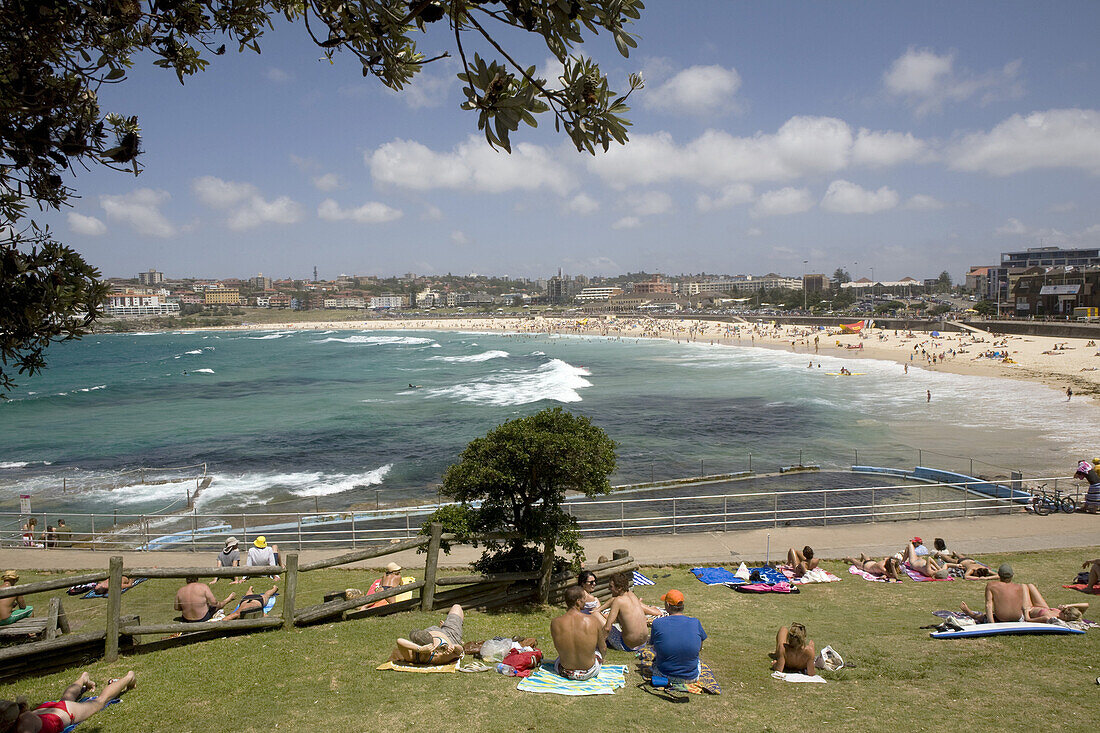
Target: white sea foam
<point>253,487</point>
<point>376,340</point>
<point>22,464</point>
<point>91,389</point>
<point>195,351</point>
<point>325,485</point>
<point>538,353</point>
<point>267,337</point>
<point>202,371</point>
<point>555,380</point>
<point>485,356</point>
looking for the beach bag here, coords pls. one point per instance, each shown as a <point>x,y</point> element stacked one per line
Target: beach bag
<point>495,649</point>
<point>829,659</point>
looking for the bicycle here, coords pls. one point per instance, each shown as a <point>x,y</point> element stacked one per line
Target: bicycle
<point>1043,502</point>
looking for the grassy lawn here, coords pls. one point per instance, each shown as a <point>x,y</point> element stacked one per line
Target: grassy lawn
<point>323,677</point>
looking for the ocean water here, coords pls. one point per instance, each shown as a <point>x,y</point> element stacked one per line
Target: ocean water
<point>290,420</point>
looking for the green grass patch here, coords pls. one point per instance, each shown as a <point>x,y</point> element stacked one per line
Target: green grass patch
<point>324,678</point>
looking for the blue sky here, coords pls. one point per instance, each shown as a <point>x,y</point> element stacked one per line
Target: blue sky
<point>904,137</point>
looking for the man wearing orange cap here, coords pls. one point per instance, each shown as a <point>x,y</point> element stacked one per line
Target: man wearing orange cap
<point>677,640</point>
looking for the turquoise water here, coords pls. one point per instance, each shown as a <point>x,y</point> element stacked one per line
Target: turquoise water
<point>294,419</point>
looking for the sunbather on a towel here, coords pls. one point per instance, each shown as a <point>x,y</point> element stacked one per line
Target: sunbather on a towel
<point>801,561</point>
<point>630,612</point>
<point>971,569</point>
<point>889,568</point>
<point>434,645</point>
<point>102,586</point>
<point>1005,601</point>
<point>252,602</point>
<point>196,601</point>
<point>587,582</point>
<point>1093,566</point>
<point>8,605</point>
<point>942,553</point>
<point>793,651</point>
<point>54,717</point>
<point>924,564</point>
<point>1042,611</point>
<point>578,637</point>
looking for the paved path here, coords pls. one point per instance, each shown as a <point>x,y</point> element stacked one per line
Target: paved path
<point>984,535</point>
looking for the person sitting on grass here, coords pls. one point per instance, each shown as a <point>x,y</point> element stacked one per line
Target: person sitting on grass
<point>793,651</point>
<point>677,640</point>
<point>9,579</point>
<point>196,602</point>
<point>54,717</point>
<point>971,569</point>
<point>252,602</point>
<point>579,639</point>
<point>630,612</point>
<point>1093,566</point>
<point>940,551</point>
<point>924,564</point>
<point>260,554</point>
<point>1005,600</point>
<point>229,557</point>
<point>586,580</point>
<point>434,645</point>
<point>802,561</point>
<point>1041,611</point>
<point>889,568</point>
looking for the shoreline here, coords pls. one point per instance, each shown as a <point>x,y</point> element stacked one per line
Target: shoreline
<point>1057,363</point>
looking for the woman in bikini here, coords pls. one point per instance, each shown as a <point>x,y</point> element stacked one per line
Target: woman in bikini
<point>1042,611</point>
<point>888,568</point>
<point>587,581</point>
<point>54,717</point>
<point>972,569</point>
<point>793,651</point>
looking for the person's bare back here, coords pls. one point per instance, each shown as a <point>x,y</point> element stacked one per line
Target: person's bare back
<point>1006,600</point>
<point>194,600</point>
<point>576,636</point>
<point>629,611</point>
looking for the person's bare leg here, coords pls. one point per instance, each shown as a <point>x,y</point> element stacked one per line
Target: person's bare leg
<point>74,691</point>
<point>909,554</point>
<point>456,608</point>
<point>852,561</point>
<point>979,617</point>
<point>863,558</point>
<point>1035,596</point>
<point>780,640</point>
<point>269,594</point>
<point>792,557</point>
<point>81,711</point>
<point>1094,576</point>
<point>228,599</point>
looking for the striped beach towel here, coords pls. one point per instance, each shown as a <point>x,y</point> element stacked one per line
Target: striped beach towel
<point>640,579</point>
<point>420,668</point>
<point>868,576</point>
<point>545,679</point>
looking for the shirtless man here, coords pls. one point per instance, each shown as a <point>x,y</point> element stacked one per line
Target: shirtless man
<point>1093,566</point>
<point>889,568</point>
<point>103,586</point>
<point>578,639</point>
<point>630,612</point>
<point>54,717</point>
<point>802,561</point>
<point>434,645</point>
<point>1004,600</point>
<point>924,564</point>
<point>8,605</point>
<point>196,601</point>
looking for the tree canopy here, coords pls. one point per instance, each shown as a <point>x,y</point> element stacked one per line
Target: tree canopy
<point>515,478</point>
<point>55,56</point>
<point>840,275</point>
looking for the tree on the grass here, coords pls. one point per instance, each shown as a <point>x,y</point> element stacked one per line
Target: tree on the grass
<point>515,479</point>
<point>840,275</point>
<point>55,55</point>
<point>986,308</point>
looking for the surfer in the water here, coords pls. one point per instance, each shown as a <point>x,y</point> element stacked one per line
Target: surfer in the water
<point>414,386</point>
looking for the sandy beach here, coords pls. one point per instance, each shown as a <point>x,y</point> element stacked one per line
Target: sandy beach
<point>1060,363</point>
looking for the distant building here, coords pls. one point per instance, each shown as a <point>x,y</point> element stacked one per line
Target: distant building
<point>1055,291</point>
<point>656,285</point>
<point>221,296</point>
<point>815,283</point>
<point>1015,263</point>
<point>279,300</point>
<point>260,282</point>
<point>139,304</point>
<point>387,301</point>
<point>343,301</point>
<point>588,294</point>
<point>152,277</point>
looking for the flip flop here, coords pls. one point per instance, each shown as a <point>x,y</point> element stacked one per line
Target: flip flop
<point>475,667</point>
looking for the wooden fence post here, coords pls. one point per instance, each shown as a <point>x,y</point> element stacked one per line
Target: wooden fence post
<point>114,608</point>
<point>546,571</point>
<point>289,590</point>
<point>427,593</point>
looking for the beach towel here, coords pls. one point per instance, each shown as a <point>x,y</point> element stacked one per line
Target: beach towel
<point>93,594</point>
<point>545,679</point>
<point>89,699</point>
<point>707,682</point>
<point>783,587</point>
<point>420,668</point>
<point>765,574</point>
<point>376,586</point>
<point>1081,587</point>
<point>868,576</point>
<point>914,575</point>
<point>267,606</point>
<point>798,677</point>
<point>817,575</point>
<point>640,579</point>
<point>715,576</point>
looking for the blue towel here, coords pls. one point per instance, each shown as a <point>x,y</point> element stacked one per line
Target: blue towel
<point>771,576</point>
<point>716,576</point>
<point>640,579</point>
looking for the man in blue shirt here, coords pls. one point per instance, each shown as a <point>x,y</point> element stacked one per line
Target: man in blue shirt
<point>677,640</point>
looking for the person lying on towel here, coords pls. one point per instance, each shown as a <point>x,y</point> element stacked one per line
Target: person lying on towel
<point>802,561</point>
<point>579,639</point>
<point>56,716</point>
<point>926,565</point>
<point>889,568</point>
<point>630,612</point>
<point>434,645</point>
<point>793,651</point>
<point>677,640</point>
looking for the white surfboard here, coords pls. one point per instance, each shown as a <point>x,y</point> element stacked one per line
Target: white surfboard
<point>1011,627</point>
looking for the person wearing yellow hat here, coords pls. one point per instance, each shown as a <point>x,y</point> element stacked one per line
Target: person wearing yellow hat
<point>261,554</point>
<point>677,640</point>
<point>14,608</point>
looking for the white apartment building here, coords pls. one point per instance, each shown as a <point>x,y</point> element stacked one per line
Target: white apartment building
<point>598,293</point>
<point>344,301</point>
<point>139,304</point>
<point>387,301</point>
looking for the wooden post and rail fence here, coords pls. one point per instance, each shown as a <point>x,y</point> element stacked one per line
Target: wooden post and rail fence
<point>484,591</point>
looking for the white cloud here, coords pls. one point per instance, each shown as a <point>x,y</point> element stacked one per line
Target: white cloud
<point>627,222</point>
<point>141,210</point>
<point>551,70</point>
<point>278,75</point>
<point>431,213</point>
<point>697,90</point>
<point>647,203</point>
<point>927,81</point>
<point>583,204</point>
<point>425,90</point>
<point>923,202</point>
<point>459,237</point>
<point>86,225</point>
<point>802,146</point>
<point>730,196</point>
<point>782,202</point>
<point>1056,138</point>
<point>845,197</point>
<point>372,212</point>
<point>471,165</point>
<point>1012,227</point>
<point>882,149</point>
<point>326,182</point>
<point>247,209</point>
